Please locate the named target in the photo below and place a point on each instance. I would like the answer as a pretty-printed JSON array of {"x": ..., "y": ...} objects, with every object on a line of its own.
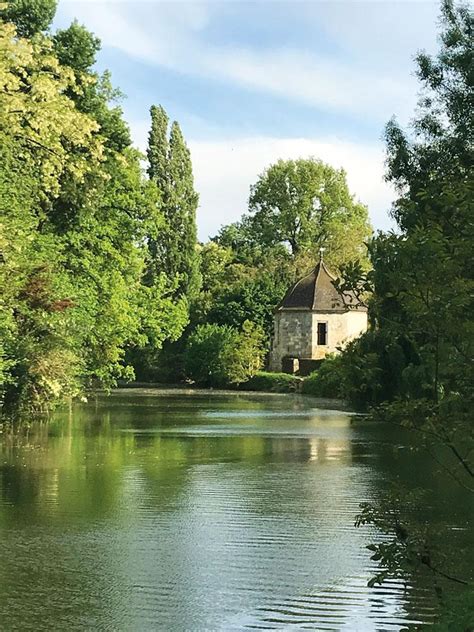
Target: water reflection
[{"x": 221, "y": 512}]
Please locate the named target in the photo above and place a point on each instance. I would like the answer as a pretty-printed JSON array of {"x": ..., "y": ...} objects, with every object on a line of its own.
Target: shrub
[
  {"x": 328, "y": 380},
  {"x": 376, "y": 367},
  {"x": 220, "y": 355},
  {"x": 273, "y": 383},
  {"x": 370, "y": 370}
]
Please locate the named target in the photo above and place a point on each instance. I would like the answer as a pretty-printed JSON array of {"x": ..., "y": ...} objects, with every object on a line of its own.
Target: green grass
[{"x": 273, "y": 383}]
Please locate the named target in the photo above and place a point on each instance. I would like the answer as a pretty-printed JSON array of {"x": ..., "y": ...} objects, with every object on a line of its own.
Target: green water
[{"x": 192, "y": 511}]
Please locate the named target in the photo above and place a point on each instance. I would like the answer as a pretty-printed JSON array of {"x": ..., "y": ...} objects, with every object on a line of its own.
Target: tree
[
  {"x": 38, "y": 142},
  {"x": 440, "y": 150},
  {"x": 182, "y": 257},
  {"x": 296, "y": 207},
  {"x": 158, "y": 148},
  {"x": 175, "y": 252},
  {"x": 76, "y": 47},
  {"x": 306, "y": 204},
  {"x": 233, "y": 291},
  {"x": 422, "y": 286},
  {"x": 29, "y": 16},
  {"x": 219, "y": 355},
  {"x": 77, "y": 214},
  {"x": 423, "y": 278}
]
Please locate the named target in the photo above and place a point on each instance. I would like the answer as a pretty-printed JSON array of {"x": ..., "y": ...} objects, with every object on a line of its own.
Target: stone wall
[
  {"x": 357, "y": 324},
  {"x": 296, "y": 332},
  {"x": 292, "y": 337},
  {"x": 341, "y": 329}
]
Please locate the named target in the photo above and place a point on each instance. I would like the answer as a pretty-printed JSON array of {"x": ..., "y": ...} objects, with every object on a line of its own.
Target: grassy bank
[{"x": 273, "y": 383}]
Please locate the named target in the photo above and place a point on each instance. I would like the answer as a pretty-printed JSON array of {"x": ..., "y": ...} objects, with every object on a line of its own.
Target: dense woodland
[{"x": 103, "y": 278}]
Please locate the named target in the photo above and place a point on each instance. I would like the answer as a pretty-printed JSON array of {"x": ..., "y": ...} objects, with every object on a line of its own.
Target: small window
[{"x": 322, "y": 333}]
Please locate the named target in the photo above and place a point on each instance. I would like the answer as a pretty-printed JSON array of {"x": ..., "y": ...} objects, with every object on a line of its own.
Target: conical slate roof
[{"x": 316, "y": 292}]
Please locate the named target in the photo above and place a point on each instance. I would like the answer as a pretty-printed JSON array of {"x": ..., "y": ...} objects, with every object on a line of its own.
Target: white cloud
[
  {"x": 173, "y": 35},
  {"x": 364, "y": 73},
  {"x": 316, "y": 80},
  {"x": 224, "y": 170}
]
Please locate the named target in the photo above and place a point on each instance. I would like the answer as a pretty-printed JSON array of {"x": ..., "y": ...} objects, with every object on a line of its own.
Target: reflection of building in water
[
  {"x": 324, "y": 449},
  {"x": 313, "y": 320},
  {"x": 322, "y": 439}
]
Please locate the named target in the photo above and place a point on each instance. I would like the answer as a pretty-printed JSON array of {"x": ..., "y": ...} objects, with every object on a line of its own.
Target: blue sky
[{"x": 251, "y": 82}]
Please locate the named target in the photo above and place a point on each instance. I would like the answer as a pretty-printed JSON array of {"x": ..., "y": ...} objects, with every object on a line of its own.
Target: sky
[{"x": 253, "y": 82}]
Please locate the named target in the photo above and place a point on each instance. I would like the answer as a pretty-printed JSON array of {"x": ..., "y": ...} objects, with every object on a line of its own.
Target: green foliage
[
  {"x": 307, "y": 205},
  {"x": 233, "y": 292},
  {"x": 174, "y": 251},
  {"x": 416, "y": 364},
  {"x": 408, "y": 547},
  {"x": 158, "y": 147},
  {"x": 247, "y": 268},
  {"x": 272, "y": 383},
  {"x": 219, "y": 355},
  {"x": 76, "y": 215},
  {"x": 29, "y": 16},
  {"x": 180, "y": 210},
  {"x": 380, "y": 366},
  {"x": 328, "y": 380},
  {"x": 76, "y": 47},
  {"x": 39, "y": 139},
  {"x": 440, "y": 151},
  {"x": 422, "y": 280}
]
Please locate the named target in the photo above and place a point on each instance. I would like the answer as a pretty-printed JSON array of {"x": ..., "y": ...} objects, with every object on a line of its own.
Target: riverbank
[{"x": 191, "y": 389}]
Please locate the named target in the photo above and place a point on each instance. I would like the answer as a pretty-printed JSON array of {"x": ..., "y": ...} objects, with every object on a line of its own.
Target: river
[{"x": 186, "y": 510}]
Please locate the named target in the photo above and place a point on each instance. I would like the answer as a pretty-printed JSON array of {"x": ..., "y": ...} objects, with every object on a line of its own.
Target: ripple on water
[{"x": 208, "y": 514}]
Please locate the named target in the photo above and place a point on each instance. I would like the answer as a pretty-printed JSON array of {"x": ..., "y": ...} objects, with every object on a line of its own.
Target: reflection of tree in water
[
  {"x": 77, "y": 464},
  {"x": 130, "y": 497}
]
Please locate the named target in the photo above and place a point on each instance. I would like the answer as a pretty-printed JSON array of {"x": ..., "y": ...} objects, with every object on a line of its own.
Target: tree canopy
[
  {"x": 416, "y": 365},
  {"x": 76, "y": 216},
  {"x": 306, "y": 204},
  {"x": 175, "y": 250},
  {"x": 102, "y": 263},
  {"x": 29, "y": 16}
]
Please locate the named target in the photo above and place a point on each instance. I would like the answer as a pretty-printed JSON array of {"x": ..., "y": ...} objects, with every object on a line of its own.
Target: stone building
[{"x": 312, "y": 321}]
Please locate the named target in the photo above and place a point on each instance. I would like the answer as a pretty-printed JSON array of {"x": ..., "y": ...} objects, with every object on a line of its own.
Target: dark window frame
[{"x": 322, "y": 333}]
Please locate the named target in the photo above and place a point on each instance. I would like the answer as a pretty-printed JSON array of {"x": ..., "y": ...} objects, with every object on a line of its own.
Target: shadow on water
[{"x": 173, "y": 511}]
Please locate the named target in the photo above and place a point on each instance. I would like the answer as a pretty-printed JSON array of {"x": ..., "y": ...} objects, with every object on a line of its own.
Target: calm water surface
[{"x": 192, "y": 511}]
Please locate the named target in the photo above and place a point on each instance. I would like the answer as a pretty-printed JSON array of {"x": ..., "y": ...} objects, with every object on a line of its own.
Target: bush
[
  {"x": 328, "y": 380},
  {"x": 376, "y": 367},
  {"x": 219, "y": 355},
  {"x": 165, "y": 365},
  {"x": 273, "y": 383}
]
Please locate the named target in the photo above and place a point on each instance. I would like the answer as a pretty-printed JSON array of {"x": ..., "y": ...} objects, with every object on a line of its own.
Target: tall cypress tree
[
  {"x": 174, "y": 251},
  {"x": 158, "y": 148},
  {"x": 182, "y": 214}
]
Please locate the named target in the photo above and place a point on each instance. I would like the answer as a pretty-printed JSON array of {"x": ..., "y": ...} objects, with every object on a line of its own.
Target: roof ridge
[
  {"x": 317, "y": 270},
  {"x": 327, "y": 271}
]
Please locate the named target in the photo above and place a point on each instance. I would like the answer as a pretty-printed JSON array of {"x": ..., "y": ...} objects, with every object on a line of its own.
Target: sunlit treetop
[{"x": 29, "y": 16}]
